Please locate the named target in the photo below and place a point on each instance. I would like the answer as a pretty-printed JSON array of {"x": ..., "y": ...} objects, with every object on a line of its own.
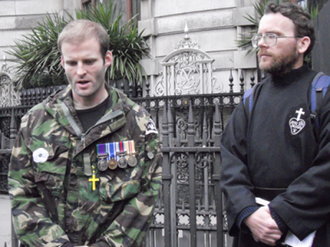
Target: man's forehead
[
  {"x": 275, "y": 22},
  {"x": 79, "y": 40},
  {"x": 86, "y": 46}
]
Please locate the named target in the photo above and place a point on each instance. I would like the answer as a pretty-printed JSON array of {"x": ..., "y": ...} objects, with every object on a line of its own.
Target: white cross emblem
[
  {"x": 296, "y": 123},
  {"x": 300, "y": 112}
]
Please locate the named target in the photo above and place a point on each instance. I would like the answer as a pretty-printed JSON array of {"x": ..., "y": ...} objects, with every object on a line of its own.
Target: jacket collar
[
  {"x": 293, "y": 75},
  {"x": 60, "y": 107}
]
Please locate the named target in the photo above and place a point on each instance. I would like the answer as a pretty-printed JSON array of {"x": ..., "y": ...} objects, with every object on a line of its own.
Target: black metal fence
[
  {"x": 191, "y": 193},
  {"x": 189, "y": 212}
]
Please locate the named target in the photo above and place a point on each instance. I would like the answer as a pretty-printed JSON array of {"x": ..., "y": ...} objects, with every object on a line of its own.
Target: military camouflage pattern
[{"x": 52, "y": 199}]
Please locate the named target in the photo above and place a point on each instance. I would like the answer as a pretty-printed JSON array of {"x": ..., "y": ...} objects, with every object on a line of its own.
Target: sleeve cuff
[
  {"x": 243, "y": 215},
  {"x": 280, "y": 223}
]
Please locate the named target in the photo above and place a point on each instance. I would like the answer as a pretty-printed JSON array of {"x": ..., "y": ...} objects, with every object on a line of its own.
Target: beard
[{"x": 281, "y": 64}]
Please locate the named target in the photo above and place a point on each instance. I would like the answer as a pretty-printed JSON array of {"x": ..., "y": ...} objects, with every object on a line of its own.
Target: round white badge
[{"x": 40, "y": 155}]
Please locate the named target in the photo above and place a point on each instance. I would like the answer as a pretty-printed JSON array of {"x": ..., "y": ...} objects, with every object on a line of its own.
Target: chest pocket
[
  {"x": 50, "y": 164},
  {"x": 118, "y": 188}
]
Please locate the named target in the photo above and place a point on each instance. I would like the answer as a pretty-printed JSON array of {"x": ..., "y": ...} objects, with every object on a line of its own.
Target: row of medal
[{"x": 116, "y": 154}]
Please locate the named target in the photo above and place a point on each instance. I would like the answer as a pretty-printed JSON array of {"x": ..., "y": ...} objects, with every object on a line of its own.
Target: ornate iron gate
[
  {"x": 190, "y": 211},
  {"x": 192, "y": 197}
]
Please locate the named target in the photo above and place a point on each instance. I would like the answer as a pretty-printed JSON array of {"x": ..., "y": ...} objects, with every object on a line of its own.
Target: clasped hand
[{"x": 263, "y": 227}]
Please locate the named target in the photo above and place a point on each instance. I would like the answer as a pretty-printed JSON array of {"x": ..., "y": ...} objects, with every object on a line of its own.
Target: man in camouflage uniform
[{"x": 66, "y": 190}]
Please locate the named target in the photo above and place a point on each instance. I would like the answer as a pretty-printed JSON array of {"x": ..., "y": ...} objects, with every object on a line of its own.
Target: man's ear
[
  {"x": 62, "y": 62},
  {"x": 303, "y": 44},
  {"x": 108, "y": 59}
]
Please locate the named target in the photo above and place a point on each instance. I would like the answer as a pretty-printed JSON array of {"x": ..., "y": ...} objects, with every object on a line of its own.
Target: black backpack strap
[{"x": 319, "y": 88}]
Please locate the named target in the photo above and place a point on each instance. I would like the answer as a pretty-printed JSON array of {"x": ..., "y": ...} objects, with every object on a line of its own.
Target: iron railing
[{"x": 189, "y": 212}]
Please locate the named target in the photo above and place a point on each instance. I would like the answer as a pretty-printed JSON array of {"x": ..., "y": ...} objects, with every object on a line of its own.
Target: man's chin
[{"x": 265, "y": 66}]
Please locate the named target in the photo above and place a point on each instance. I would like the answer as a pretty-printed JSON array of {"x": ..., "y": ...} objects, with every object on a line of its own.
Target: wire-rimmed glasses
[{"x": 269, "y": 38}]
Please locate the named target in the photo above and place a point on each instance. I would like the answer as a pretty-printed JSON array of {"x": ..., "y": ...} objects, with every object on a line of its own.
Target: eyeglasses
[{"x": 269, "y": 38}]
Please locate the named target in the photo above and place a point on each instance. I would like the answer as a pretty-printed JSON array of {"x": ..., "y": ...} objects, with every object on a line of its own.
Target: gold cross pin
[{"x": 94, "y": 179}]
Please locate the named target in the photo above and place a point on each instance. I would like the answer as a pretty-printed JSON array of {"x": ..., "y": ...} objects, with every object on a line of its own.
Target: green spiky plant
[
  {"x": 245, "y": 38},
  {"x": 39, "y": 61}
]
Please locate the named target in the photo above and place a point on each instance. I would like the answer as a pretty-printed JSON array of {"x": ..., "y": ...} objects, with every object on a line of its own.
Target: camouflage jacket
[{"x": 53, "y": 201}]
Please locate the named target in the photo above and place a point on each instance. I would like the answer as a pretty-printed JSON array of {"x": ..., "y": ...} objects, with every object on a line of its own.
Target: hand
[{"x": 263, "y": 227}]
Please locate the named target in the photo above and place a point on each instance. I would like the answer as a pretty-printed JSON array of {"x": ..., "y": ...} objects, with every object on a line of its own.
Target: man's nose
[
  {"x": 262, "y": 41},
  {"x": 81, "y": 69}
]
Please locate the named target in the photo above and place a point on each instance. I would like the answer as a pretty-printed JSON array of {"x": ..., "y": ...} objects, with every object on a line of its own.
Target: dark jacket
[{"x": 279, "y": 148}]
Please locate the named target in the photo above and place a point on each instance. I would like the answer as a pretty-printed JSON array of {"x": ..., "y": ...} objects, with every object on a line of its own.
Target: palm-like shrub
[
  {"x": 39, "y": 60},
  {"x": 37, "y": 57}
]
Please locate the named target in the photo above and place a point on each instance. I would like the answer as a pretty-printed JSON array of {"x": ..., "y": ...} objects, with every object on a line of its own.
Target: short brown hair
[
  {"x": 300, "y": 18},
  {"x": 80, "y": 30}
]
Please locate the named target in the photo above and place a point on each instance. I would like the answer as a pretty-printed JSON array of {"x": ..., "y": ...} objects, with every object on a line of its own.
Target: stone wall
[
  {"x": 18, "y": 16},
  {"x": 214, "y": 25}
]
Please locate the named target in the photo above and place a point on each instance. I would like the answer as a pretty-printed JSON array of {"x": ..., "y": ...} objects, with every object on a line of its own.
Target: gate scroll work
[
  {"x": 8, "y": 96},
  {"x": 190, "y": 211},
  {"x": 187, "y": 70}
]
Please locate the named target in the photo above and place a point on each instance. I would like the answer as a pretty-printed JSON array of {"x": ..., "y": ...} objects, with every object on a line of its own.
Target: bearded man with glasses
[{"x": 275, "y": 160}]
